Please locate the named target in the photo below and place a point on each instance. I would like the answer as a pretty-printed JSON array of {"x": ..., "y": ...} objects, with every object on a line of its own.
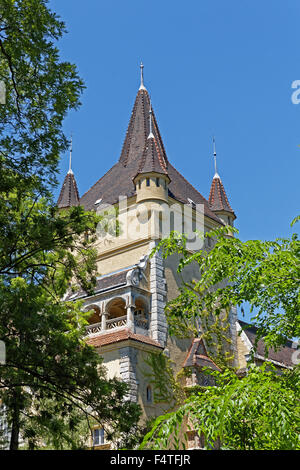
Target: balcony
[{"x": 116, "y": 317}]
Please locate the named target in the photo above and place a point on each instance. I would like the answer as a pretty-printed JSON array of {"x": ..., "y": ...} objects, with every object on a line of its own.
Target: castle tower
[{"x": 128, "y": 322}]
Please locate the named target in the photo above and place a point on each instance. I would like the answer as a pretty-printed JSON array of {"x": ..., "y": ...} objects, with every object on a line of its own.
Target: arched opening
[
  {"x": 141, "y": 313},
  {"x": 116, "y": 308},
  {"x": 94, "y": 314}
]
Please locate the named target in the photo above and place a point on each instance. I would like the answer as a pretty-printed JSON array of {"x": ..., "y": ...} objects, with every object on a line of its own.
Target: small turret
[
  {"x": 218, "y": 201},
  {"x": 69, "y": 195},
  {"x": 152, "y": 179}
]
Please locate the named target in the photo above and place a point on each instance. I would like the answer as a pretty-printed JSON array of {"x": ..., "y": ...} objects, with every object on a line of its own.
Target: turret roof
[
  {"x": 218, "y": 200},
  {"x": 69, "y": 195},
  {"x": 140, "y": 153}
]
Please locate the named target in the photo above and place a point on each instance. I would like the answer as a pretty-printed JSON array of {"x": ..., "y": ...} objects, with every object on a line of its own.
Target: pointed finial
[
  {"x": 150, "y": 136},
  {"x": 70, "y": 158},
  {"x": 215, "y": 158},
  {"x": 142, "y": 87}
]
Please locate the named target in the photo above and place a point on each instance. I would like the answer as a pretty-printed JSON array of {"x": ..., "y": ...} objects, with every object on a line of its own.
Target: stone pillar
[
  {"x": 104, "y": 315},
  {"x": 130, "y": 307},
  {"x": 158, "y": 326},
  {"x": 128, "y": 362}
]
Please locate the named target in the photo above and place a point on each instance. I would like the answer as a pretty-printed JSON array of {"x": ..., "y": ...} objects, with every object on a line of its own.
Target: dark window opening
[{"x": 149, "y": 394}]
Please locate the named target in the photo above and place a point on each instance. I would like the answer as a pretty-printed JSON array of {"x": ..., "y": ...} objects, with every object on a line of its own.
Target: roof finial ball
[{"x": 142, "y": 87}]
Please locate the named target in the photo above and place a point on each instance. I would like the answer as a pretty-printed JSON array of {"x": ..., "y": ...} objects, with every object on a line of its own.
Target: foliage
[
  {"x": 261, "y": 409},
  {"x": 53, "y": 382},
  {"x": 257, "y": 412},
  {"x": 265, "y": 274},
  {"x": 161, "y": 376},
  {"x": 47, "y": 360},
  {"x": 40, "y": 90}
]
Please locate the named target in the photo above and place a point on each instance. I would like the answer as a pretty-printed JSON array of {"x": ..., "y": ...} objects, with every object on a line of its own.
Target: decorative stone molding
[{"x": 135, "y": 275}]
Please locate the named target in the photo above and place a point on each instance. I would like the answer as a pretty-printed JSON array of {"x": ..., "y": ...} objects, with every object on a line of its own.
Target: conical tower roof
[
  {"x": 152, "y": 159},
  {"x": 138, "y": 154},
  {"x": 69, "y": 195},
  {"x": 218, "y": 200},
  {"x": 139, "y": 130}
]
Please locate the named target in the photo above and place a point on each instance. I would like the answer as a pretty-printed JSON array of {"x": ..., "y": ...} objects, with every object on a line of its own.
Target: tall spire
[
  {"x": 142, "y": 87},
  {"x": 215, "y": 159},
  {"x": 70, "y": 158},
  {"x": 139, "y": 129}
]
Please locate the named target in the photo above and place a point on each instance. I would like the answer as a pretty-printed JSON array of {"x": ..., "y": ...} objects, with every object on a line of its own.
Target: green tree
[
  {"x": 40, "y": 90},
  {"x": 52, "y": 381},
  {"x": 264, "y": 274},
  {"x": 260, "y": 410}
]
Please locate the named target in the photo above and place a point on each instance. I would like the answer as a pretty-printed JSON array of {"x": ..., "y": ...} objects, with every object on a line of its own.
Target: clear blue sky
[{"x": 212, "y": 67}]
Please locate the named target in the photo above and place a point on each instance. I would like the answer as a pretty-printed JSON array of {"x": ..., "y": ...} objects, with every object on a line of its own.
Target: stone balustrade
[{"x": 140, "y": 322}]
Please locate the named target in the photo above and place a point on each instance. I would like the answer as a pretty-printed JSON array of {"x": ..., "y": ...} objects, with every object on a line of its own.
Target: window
[
  {"x": 149, "y": 394},
  {"x": 157, "y": 182},
  {"x": 147, "y": 181},
  {"x": 98, "y": 436},
  {"x": 140, "y": 184}
]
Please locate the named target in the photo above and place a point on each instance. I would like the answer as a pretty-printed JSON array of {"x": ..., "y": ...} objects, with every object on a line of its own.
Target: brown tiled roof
[
  {"x": 104, "y": 283},
  {"x": 139, "y": 129},
  {"x": 152, "y": 159},
  {"x": 118, "y": 181},
  {"x": 282, "y": 356},
  {"x": 121, "y": 335},
  {"x": 197, "y": 356},
  {"x": 69, "y": 195},
  {"x": 218, "y": 200}
]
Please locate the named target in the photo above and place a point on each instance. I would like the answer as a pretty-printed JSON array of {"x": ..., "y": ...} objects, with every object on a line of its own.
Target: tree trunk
[{"x": 15, "y": 427}]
